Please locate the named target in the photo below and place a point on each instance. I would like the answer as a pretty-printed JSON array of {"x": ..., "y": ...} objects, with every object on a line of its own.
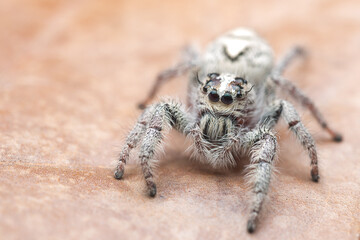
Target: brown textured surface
[{"x": 71, "y": 73}]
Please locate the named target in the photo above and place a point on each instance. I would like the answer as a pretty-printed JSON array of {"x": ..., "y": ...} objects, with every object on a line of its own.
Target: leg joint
[
  {"x": 157, "y": 128},
  {"x": 269, "y": 136},
  {"x": 293, "y": 123}
]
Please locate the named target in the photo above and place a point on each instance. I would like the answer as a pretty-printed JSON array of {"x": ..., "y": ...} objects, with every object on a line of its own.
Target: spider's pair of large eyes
[{"x": 226, "y": 98}]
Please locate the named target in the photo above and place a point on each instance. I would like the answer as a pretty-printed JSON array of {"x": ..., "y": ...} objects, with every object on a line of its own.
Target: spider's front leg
[
  {"x": 149, "y": 130},
  {"x": 132, "y": 141},
  {"x": 263, "y": 146},
  {"x": 188, "y": 60},
  {"x": 264, "y": 149}
]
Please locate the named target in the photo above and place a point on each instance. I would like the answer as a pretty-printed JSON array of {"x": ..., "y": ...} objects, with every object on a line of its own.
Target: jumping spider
[{"x": 231, "y": 110}]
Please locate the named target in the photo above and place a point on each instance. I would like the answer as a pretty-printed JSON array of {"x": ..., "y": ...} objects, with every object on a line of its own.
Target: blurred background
[{"x": 71, "y": 75}]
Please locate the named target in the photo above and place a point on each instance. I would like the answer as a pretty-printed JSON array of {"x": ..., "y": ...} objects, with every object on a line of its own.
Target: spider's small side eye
[
  {"x": 238, "y": 95},
  {"x": 241, "y": 80},
  {"x": 205, "y": 89},
  {"x": 213, "y": 75}
]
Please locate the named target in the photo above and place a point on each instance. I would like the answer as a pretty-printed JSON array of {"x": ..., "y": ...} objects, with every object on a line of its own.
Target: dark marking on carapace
[{"x": 233, "y": 59}]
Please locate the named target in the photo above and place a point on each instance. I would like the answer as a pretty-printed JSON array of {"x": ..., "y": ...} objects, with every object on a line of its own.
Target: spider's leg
[
  {"x": 284, "y": 108},
  {"x": 292, "y": 118},
  {"x": 196, "y": 134},
  {"x": 271, "y": 117},
  {"x": 135, "y": 135},
  {"x": 187, "y": 62},
  {"x": 162, "y": 115},
  {"x": 297, "y": 94},
  {"x": 290, "y": 56},
  {"x": 263, "y": 151}
]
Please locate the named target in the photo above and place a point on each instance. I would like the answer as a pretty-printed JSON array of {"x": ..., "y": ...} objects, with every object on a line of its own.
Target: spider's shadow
[{"x": 182, "y": 162}]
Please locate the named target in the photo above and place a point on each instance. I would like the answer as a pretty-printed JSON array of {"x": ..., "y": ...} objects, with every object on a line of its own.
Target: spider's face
[{"x": 225, "y": 89}]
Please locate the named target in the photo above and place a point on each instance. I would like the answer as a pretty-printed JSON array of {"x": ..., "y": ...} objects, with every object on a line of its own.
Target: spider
[{"x": 231, "y": 111}]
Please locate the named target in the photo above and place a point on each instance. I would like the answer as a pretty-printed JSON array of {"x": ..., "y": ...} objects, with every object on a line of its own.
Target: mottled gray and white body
[{"x": 231, "y": 111}]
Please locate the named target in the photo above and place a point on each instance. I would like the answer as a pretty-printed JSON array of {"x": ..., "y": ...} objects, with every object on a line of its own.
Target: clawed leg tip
[
  {"x": 315, "y": 173},
  {"x": 251, "y": 226},
  {"x": 300, "y": 50},
  {"x": 338, "y": 138},
  {"x": 119, "y": 174},
  {"x": 315, "y": 178},
  {"x": 141, "y": 106},
  {"x": 152, "y": 192},
  {"x": 152, "y": 189}
]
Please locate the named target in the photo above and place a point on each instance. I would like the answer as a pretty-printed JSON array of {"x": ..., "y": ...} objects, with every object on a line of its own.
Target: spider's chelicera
[{"x": 231, "y": 111}]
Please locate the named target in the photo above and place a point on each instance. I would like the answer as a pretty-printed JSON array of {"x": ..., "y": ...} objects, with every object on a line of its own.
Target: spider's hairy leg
[
  {"x": 164, "y": 114},
  {"x": 132, "y": 140},
  {"x": 289, "y": 57},
  {"x": 196, "y": 134},
  {"x": 297, "y": 94},
  {"x": 271, "y": 117},
  {"x": 302, "y": 134},
  {"x": 263, "y": 151},
  {"x": 187, "y": 62},
  {"x": 284, "y": 108}
]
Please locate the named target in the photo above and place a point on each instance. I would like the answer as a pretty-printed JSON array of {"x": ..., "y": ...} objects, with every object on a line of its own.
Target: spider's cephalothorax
[
  {"x": 232, "y": 109},
  {"x": 224, "y": 96}
]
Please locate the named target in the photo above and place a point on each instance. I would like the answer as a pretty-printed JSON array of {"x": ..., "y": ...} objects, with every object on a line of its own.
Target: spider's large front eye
[
  {"x": 227, "y": 98},
  {"x": 213, "y": 96}
]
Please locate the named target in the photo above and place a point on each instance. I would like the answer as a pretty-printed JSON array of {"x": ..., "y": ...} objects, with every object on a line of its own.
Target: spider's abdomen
[
  {"x": 215, "y": 128},
  {"x": 240, "y": 51}
]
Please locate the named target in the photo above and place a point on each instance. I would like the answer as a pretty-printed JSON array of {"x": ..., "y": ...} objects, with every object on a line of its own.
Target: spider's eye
[
  {"x": 205, "y": 89},
  {"x": 213, "y": 75},
  {"x": 238, "y": 95},
  {"x": 213, "y": 96},
  {"x": 241, "y": 80},
  {"x": 227, "y": 98}
]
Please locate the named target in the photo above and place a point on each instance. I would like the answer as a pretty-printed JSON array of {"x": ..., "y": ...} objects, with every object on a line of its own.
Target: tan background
[{"x": 71, "y": 73}]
